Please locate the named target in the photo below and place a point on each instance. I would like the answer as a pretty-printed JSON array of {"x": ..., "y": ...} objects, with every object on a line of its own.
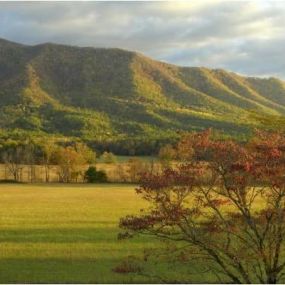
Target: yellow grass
[{"x": 63, "y": 234}]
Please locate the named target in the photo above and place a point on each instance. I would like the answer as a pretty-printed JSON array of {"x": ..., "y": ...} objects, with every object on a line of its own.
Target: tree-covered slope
[{"x": 100, "y": 94}]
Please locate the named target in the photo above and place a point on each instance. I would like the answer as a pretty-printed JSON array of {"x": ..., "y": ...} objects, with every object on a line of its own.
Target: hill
[{"x": 107, "y": 95}]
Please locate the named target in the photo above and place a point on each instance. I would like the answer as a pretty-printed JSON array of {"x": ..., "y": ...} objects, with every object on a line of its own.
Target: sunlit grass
[
  {"x": 68, "y": 233},
  {"x": 63, "y": 234}
]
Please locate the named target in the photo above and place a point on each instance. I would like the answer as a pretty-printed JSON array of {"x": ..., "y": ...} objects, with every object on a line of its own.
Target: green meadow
[{"x": 68, "y": 234}]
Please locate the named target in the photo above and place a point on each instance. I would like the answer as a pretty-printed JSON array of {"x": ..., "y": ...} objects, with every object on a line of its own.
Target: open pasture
[{"x": 68, "y": 234}]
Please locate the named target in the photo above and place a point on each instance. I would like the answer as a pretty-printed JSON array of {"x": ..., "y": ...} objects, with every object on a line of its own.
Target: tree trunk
[
  {"x": 271, "y": 278},
  {"x": 47, "y": 173}
]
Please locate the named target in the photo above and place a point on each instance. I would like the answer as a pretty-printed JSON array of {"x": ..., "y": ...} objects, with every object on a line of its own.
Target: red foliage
[{"x": 188, "y": 202}]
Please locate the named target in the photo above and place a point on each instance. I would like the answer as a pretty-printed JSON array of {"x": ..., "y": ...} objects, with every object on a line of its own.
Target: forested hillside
[{"x": 108, "y": 96}]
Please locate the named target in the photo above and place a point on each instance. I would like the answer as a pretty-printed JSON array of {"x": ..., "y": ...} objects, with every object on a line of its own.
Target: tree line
[
  {"x": 65, "y": 162},
  {"x": 70, "y": 160}
]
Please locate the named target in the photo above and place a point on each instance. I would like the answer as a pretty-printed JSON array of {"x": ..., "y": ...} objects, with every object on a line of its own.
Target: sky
[{"x": 246, "y": 37}]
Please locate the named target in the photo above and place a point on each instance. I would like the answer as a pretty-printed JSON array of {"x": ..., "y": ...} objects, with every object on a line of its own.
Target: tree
[
  {"x": 92, "y": 175},
  {"x": 48, "y": 148},
  {"x": 88, "y": 154},
  {"x": 167, "y": 153},
  {"x": 108, "y": 157},
  {"x": 14, "y": 156},
  {"x": 225, "y": 205},
  {"x": 70, "y": 163},
  {"x": 136, "y": 167},
  {"x": 121, "y": 173},
  {"x": 30, "y": 159}
]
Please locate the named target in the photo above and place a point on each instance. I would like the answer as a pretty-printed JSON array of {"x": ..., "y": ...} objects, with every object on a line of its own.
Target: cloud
[{"x": 243, "y": 36}]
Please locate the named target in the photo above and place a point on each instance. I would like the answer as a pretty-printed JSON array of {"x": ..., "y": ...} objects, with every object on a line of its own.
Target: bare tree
[
  {"x": 30, "y": 160},
  {"x": 48, "y": 157},
  {"x": 13, "y": 157}
]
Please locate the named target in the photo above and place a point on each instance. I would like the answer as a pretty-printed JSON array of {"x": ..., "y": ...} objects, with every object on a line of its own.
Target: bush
[
  {"x": 92, "y": 175},
  {"x": 130, "y": 265},
  {"x": 108, "y": 157}
]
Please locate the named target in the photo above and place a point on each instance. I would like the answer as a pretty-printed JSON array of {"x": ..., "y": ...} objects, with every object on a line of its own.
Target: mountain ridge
[{"x": 90, "y": 92}]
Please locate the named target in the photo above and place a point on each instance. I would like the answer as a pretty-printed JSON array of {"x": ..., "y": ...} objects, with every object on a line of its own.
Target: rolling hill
[{"x": 98, "y": 94}]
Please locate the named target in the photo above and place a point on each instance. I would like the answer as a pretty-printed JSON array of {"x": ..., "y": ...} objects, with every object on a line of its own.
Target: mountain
[{"x": 102, "y": 94}]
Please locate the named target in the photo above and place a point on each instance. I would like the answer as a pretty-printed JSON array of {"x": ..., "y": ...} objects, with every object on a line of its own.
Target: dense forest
[{"x": 122, "y": 101}]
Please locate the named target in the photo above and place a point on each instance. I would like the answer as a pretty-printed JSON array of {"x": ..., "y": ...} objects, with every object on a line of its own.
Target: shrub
[
  {"x": 129, "y": 265},
  {"x": 108, "y": 157},
  {"x": 92, "y": 175}
]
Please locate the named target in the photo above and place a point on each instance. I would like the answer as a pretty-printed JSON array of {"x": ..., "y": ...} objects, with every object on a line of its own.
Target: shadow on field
[
  {"x": 91, "y": 270},
  {"x": 36, "y": 270}
]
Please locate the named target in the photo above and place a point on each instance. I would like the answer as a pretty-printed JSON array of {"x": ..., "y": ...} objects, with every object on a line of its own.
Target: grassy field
[{"x": 68, "y": 234}]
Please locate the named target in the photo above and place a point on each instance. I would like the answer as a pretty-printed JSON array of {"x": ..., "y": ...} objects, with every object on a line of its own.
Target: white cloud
[{"x": 243, "y": 36}]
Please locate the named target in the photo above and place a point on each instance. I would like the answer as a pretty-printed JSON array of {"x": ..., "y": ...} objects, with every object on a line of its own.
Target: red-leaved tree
[{"x": 225, "y": 202}]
